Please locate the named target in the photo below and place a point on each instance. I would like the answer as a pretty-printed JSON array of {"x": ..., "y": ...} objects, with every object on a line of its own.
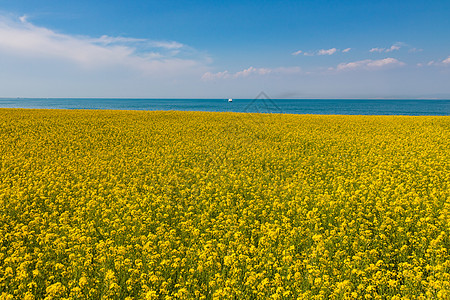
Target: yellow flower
[{"x": 172, "y": 205}]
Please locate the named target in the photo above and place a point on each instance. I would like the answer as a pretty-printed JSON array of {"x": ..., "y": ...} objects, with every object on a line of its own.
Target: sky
[{"x": 225, "y": 49}]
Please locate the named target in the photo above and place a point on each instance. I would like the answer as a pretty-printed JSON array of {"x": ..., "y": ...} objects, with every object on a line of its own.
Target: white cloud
[
  {"x": 109, "y": 40},
  {"x": 330, "y": 51},
  {"x": 218, "y": 75},
  {"x": 327, "y": 52},
  {"x": 252, "y": 70},
  {"x": 106, "y": 40},
  {"x": 369, "y": 64},
  {"x": 249, "y": 72},
  {"x": 384, "y": 62},
  {"x": 23, "y": 18},
  {"x": 394, "y": 47},
  {"x": 444, "y": 62},
  {"x": 167, "y": 45},
  {"x": 23, "y": 39},
  {"x": 377, "y": 50}
]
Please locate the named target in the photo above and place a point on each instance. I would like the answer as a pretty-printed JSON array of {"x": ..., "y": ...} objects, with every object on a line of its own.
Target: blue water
[{"x": 341, "y": 106}]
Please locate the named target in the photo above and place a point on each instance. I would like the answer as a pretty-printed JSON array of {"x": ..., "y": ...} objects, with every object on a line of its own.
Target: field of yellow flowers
[{"x": 196, "y": 205}]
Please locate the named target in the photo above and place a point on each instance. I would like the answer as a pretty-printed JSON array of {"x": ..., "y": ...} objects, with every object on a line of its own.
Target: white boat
[{"x": 230, "y": 100}]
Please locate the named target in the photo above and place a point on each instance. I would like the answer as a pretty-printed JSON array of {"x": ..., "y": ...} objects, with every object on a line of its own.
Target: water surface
[{"x": 291, "y": 106}]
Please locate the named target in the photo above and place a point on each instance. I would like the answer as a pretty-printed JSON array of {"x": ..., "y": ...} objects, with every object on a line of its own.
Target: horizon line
[{"x": 208, "y": 98}]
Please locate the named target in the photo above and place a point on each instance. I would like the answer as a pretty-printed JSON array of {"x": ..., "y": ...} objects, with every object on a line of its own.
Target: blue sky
[{"x": 222, "y": 49}]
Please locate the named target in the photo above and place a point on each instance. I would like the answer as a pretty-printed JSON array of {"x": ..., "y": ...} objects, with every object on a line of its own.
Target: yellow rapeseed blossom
[{"x": 194, "y": 205}]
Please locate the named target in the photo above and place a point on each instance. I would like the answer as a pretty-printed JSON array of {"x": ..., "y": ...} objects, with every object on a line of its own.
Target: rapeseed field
[{"x": 196, "y": 205}]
